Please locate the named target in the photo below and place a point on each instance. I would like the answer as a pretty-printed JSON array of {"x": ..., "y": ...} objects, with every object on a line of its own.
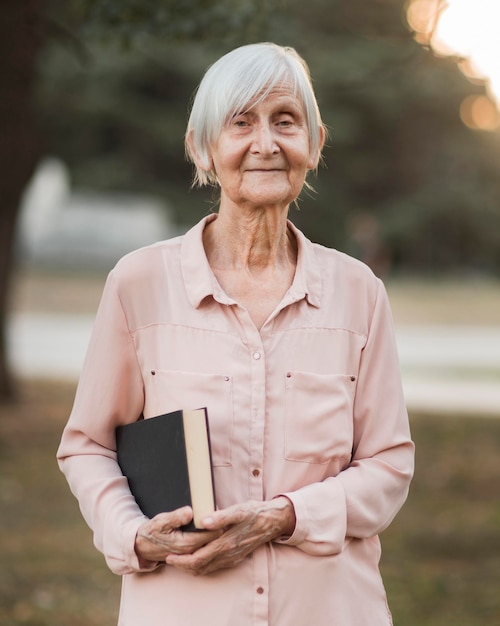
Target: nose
[{"x": 263, "y": 140}]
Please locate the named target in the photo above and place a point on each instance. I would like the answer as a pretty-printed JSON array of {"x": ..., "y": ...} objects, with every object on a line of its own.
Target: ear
[
  {"x": 203, "y": 163},
  {"x": 312, "y": 164}
]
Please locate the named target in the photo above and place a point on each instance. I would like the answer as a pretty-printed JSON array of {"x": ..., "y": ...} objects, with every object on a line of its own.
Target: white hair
[{"x": 238, "y": 80}]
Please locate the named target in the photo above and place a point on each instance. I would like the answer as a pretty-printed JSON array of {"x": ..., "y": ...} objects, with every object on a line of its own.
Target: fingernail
[{"x": 208, "y": 521}]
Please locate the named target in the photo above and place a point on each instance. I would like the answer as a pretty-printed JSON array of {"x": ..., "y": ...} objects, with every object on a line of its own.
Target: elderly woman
[{"x": 289, "y": 344}]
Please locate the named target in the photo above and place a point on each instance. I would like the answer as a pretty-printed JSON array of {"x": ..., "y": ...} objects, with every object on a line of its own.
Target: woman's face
[{"x": 262, "y": 155}]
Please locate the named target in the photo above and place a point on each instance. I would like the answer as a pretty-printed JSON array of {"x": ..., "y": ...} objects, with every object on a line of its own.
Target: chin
[
  {"x": 280, "y": 198},
  {"x": 269, "y": 203}
]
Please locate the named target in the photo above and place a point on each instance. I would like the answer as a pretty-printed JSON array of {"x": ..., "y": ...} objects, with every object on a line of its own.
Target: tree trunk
[{"x": 20, "y": 41}]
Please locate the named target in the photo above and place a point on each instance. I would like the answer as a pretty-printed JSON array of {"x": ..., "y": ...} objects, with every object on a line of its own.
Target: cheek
[
  {"x": 226, "y": 164},
  {"x": 299, "y": 155},
  {"x": 300, "y": 167}
]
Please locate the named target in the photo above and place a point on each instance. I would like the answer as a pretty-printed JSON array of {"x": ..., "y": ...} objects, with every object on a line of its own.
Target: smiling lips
[{"x": 264, "y": 169}]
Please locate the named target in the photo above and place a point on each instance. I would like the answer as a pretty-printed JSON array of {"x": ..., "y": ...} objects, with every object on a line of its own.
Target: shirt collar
[
  {"x": 307, "y": 280},
  {"x": 200, "y": 281}
]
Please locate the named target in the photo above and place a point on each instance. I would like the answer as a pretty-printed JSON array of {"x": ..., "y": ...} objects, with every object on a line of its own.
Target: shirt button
[
  {"x": 256, "y": 355},
  {"x": 256, "y": 472},
  {"x": 260, "y": 590}
]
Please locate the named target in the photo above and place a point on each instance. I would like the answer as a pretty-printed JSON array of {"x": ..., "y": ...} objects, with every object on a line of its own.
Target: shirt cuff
[{"x": 300, "y": 530}]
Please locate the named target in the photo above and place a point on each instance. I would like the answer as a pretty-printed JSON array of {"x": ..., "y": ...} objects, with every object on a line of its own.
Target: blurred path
[
  {"x": 453, "y": 369},
  {"x": 49, "y": 345}
]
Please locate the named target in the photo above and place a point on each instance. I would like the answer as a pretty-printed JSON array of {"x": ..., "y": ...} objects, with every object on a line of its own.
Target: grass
[
  {"x": 441, "y": 555},
  {"x": 50, "y": 574}
]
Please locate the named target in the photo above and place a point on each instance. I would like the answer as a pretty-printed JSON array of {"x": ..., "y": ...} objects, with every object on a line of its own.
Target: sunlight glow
[
  {"x": 480, "y": 112},
  {"x": 469, "y": 30}
]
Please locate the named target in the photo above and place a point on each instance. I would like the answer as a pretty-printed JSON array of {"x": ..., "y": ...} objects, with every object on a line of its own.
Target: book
[{"x": 168, "y": 463}]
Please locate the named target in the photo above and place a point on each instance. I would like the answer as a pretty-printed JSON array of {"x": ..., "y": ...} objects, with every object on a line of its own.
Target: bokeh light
[
  {"x": 479, "y": 112},
  {"x": 469, "y": 30}
]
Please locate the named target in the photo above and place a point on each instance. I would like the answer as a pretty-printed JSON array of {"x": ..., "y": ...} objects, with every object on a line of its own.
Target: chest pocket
[
  {"x": 170, "y": 390},
  {"x": 318, "y": 416}
]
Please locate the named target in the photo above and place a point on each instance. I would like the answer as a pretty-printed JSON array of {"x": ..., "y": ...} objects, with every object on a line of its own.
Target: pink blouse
[{"x": 311, "y": 406}]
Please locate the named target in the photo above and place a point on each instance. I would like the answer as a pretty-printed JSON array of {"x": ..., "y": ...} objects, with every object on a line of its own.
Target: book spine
[{"x": 199, "y": 464}]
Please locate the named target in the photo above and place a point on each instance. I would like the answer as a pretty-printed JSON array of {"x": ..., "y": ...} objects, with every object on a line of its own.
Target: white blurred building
[{"x": 60, "y": 227}]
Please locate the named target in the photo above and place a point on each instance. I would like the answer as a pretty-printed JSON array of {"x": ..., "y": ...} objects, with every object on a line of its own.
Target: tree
[
  {"x": 21, "y": 38},
  {"x": 25, "y": 28}
]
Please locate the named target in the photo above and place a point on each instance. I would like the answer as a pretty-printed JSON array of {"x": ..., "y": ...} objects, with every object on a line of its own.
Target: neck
[{"x": 254, "y": 241}]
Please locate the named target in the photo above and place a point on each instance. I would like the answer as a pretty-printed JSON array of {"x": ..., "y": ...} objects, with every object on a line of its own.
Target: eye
[
  {"x": 240, "y": 121},
  {"x": 285, "y": 120}
]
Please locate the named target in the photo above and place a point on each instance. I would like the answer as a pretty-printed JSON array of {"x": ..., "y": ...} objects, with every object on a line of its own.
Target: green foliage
[
  {"x": 405, "y": 184},
  {"x": 132, "y": 20},
  {"x": 399, "y": 153}
]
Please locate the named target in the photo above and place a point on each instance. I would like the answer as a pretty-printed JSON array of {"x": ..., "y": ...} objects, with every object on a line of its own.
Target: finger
[
  {"x": 226, "y": 517},
  {"x": 173, "y": 519},
  {"x": 185, "y": 562},
  {"x": 226, "y": 551},
  {"x": 192, "y": 541},
  {"x": 195, "y": 564},
  {"x": 178, "y": 542},
  {"x": 198, "y": 565}
]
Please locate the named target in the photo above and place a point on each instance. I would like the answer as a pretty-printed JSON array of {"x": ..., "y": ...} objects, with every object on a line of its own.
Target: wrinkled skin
[{"x": 230, "y": 536}]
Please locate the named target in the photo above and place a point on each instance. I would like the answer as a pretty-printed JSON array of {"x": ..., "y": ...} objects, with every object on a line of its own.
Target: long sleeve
[
  {"x": 363, "y": 499},
  {"x": 110, "y": 393},
  {"x": 309, "y": 405}
]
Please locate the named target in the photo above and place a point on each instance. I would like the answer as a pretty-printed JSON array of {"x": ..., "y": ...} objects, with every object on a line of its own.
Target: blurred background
[{"x": 93, "y": 107}]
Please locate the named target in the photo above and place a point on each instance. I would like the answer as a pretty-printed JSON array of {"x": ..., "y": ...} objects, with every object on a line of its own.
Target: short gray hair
[{"x": 246, "y": 75}]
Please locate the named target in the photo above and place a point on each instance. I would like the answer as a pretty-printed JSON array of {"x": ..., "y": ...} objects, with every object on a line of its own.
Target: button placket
[
  {"x": 256, "y": 459},
  {"x": 261, "y": 589}
]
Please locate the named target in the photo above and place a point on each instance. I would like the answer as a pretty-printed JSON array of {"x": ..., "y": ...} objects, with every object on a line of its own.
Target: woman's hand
[
  {"x": 159, "y": 537},
  {"x": 244, "y": 528}
]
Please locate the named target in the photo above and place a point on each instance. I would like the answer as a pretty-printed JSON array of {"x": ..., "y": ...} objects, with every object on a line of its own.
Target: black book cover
[{"x": 167, "y": 461}]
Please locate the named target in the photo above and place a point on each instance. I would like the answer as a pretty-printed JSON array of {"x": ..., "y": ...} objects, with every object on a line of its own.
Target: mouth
[{"x": 265, "y": 169}]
